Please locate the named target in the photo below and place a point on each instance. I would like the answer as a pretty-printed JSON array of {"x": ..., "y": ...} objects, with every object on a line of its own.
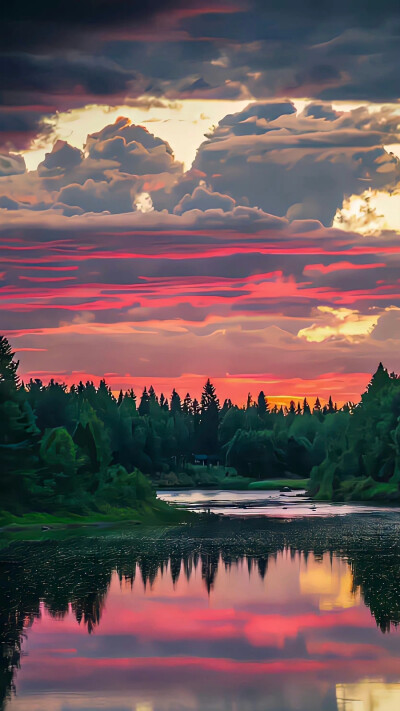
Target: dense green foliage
[
  {"x": 74, "y": 448},
  {"x": 56, "y": 450},
  {"x": 362, "y": 446}
]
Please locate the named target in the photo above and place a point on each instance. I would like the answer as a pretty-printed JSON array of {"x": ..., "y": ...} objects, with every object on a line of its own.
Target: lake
[{"x": 262, "y": 609}]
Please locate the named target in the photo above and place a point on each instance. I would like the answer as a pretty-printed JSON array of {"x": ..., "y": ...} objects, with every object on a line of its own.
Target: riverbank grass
[{"x": 157, "y": 512}]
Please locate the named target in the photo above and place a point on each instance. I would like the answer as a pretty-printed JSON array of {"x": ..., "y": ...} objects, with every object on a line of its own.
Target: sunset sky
[{"x": 193, "y": 189}]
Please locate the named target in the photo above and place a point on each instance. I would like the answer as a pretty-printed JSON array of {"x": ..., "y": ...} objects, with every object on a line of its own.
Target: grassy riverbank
[
  {"x": 149, "y": 513},
  {"x": 218, "y": 477}
]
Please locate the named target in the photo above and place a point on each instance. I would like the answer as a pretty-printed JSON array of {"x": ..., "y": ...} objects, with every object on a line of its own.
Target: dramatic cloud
[
  {"x": 56, "y": 58},
  {"x": 202, "y": 199},
  {"x": 300, "y": 165},
  {"x": 115, "y": 166},
  {"x": 272, "y": 262},
  {"x": 11, "y": 164}
]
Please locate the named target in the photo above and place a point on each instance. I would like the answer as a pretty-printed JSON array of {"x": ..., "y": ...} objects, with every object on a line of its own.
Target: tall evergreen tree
[
  {"x": 331, "y": 408},
  {"x": 379, "y": 381},
  {"x": 132, "y": 395},
  {"x": 144, "y": 407},
  {"x": 8, "y": 371},
  {"x": 292, "y": 408},
  {"x": 262, "y": 405},
  {"x": 163, "y": 402},
  {"x": 152, "y": 396},
  {"x": 175, "y": 403},
  {"x": 187, "y": 404},
  {"x": 317, "y": 406},
  {"x": 226, "y": 406},
  {"x": 209, "y": 419}
]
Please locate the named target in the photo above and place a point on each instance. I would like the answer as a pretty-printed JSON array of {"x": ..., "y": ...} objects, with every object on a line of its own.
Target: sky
[{"x": 193, "y": 189}]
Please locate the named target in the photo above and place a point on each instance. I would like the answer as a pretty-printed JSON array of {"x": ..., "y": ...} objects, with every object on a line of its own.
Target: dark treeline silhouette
[
  {"x": 78, "y": 571},
  {"x": 72, "y": 447}
]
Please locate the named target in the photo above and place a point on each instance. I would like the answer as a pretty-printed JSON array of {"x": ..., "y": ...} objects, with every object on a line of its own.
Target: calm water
[
  {"x": 241, "y": 614},
  {"x": 277, "y": 504}
]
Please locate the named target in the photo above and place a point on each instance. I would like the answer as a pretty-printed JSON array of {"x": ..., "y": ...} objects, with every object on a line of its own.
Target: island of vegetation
[{"x": 81, "y": 453}]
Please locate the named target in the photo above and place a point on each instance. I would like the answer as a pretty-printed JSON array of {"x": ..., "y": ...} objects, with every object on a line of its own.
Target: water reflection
[
  {"x": 274, "y": 503},
  {"x": 238, "y": 615},
  {"x": 370, "y": 695}
]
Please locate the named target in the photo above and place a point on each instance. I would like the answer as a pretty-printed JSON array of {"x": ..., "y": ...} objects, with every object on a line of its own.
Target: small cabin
[{"x": 206, "y": 460}]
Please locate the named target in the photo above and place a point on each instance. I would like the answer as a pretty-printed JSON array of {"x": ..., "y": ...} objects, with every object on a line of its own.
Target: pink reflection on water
[{"x": 302, "y": 622}]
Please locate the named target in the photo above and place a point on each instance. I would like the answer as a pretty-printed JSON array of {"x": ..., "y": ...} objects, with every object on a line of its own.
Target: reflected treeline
[{"x": 76, "y": 573}]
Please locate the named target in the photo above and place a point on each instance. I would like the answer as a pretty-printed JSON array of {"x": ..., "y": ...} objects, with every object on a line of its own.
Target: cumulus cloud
[
  {"x": 117, "y": 195},
  {"x": 62, "y": 159},
  {"x": 116, "y": 164},
  {"x": 268, "y": 156},
  {"x": 203, "y": 199},
  {"x": 301, "y": 165},
  {"x": 11, "y": 164}
]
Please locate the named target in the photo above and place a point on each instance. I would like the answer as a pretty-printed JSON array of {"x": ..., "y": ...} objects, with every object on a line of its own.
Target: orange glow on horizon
[{"x": 342, "y": 387}]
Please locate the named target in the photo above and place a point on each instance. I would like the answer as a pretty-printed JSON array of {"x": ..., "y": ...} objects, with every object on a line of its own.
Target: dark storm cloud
[
  {"x": 45, "y": 23},
  {"x": 332, "y": 50},
  {"x": 52, "y": 57},
  {"x": 60, "y": 55}
]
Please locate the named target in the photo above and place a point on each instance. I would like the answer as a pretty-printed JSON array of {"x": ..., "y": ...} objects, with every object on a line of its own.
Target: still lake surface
[{"x": 271, "y": 607}]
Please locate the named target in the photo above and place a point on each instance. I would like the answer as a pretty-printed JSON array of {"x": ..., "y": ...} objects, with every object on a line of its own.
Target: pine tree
[
  {"x": 175, "y": 403},
  {"x": 120, "y": 398},
  {"x": 163, "y": 402},
  {"x": 292, "y": 408},
  {"x": 262, "y": 406},
  {"x": 209, "y": 396},
  {"x": 8, "y": 371},
  {"x": 317, "y": 406},
  {"x": 18, "y": 434},
  {"x": 152, "y": 396},
  {"x": 209, "y": 419},
  {"x": 226, "y": 406},
  {"x": 187, "y": 404},
  {"x": 331, "y": 408},
  {"x": 196, "y": 407},
  {"x": 131, "y": 394},
  {"x": 144, "y": 407},
  {"x": 380, "y": 380},
  {"x": 306, "y": 407}
]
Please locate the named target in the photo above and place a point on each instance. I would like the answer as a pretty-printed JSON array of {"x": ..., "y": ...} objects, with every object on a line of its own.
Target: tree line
[{"x": 68, "y": 447}]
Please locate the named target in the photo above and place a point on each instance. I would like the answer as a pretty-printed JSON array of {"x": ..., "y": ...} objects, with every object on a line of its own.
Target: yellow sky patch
[
  {"x": 183, "y": 124},
  {"x": 338, "y": 323}
]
